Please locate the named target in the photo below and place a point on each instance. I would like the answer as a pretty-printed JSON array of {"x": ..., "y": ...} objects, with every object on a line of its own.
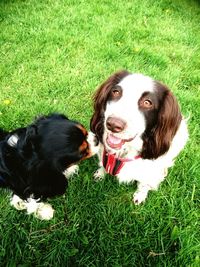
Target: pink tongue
[{"x": 113, "y": 139}]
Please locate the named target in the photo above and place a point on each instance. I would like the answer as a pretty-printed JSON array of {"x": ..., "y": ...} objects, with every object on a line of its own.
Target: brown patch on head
[
  {"x": 84, "y": 148},
  {"x": 83, "y": 130}
]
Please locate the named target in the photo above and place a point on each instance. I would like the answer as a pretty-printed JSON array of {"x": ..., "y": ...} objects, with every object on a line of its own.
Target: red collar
[{"x": 113, "y": 164}]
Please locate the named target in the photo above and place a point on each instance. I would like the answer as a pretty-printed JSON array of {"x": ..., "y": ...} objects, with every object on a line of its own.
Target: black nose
[{"x": 115, "y": 125}]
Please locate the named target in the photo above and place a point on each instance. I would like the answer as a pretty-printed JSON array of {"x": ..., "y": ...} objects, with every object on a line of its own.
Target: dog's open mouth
[{"x": 116, "y": 142}]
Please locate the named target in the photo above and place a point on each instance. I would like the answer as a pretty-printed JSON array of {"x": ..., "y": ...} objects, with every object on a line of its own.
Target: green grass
[{"x": 54, "y": 54}]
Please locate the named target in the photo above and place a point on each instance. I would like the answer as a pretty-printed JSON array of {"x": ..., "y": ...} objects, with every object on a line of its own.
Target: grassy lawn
[{"x": 54, "y": 54}]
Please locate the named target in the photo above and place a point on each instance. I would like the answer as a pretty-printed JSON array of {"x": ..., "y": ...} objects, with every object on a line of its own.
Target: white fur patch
[
  {"x": 42, "y": 211},
  {"x": 99, "y": 174},
  {"x": 139, "y": 197},
  {"x": 92, "y": 140},
  {"x": 13, "y": 139},
  {"x": 141, "y": 194},
  {"x": 71, "y": 171},
  {"x": 31, "y": 205},
  {"x": 18, "y": 203}
]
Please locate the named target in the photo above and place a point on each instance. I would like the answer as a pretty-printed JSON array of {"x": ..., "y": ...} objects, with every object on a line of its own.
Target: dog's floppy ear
[
  {"x": 158, "y": 140},
  {"x": 100, "y": 99}
]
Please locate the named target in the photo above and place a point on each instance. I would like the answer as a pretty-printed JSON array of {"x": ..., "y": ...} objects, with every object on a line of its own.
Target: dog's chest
[{"x": 113, "y": 164}]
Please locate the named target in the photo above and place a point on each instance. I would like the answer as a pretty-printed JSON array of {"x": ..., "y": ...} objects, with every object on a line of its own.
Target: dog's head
[
  {"x": 53, "y": 139},
  {"x": 135, "y": 110}
]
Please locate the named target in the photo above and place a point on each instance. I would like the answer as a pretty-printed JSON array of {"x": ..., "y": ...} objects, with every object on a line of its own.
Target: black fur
[{"x": 35, "y": 164}]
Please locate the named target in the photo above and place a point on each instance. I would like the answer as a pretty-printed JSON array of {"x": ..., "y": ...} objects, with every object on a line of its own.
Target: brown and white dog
[{"x": 139, "y": 129}]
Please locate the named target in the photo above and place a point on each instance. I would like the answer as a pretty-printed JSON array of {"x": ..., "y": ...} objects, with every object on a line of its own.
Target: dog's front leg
[
  {"x": 141, "y": 194},
  {"x": 42, "y": 211},
  {"x": 99, "y": 174}
]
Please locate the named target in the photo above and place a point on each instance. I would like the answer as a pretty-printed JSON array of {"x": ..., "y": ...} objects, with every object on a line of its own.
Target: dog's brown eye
[
  {"x": 116, "y": 92},
  {"x": 147, "y": 103}
]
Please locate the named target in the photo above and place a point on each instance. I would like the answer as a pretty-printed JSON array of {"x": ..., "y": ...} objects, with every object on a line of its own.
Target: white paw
[
  {"x": 44, "y": 211},
  {"x": 18, "y": 203},
  {"x": 71, "y": 171},
  {"x": 31, "y": 205},
  {"x": 99, "y": 174},
  {"x": 139, "y": 197}
]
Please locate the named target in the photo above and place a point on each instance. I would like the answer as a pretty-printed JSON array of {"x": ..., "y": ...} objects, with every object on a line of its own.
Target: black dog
[{"x": 35, "y": 160}]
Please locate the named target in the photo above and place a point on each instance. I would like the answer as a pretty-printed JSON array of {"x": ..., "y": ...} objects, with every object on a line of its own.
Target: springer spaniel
[
  {"x": 35, "y": 160},
  {"x": 139, "y": 130}
]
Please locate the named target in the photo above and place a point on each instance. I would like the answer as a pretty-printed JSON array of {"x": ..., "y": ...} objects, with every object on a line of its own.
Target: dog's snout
[{"x": 115, "y": 125}]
